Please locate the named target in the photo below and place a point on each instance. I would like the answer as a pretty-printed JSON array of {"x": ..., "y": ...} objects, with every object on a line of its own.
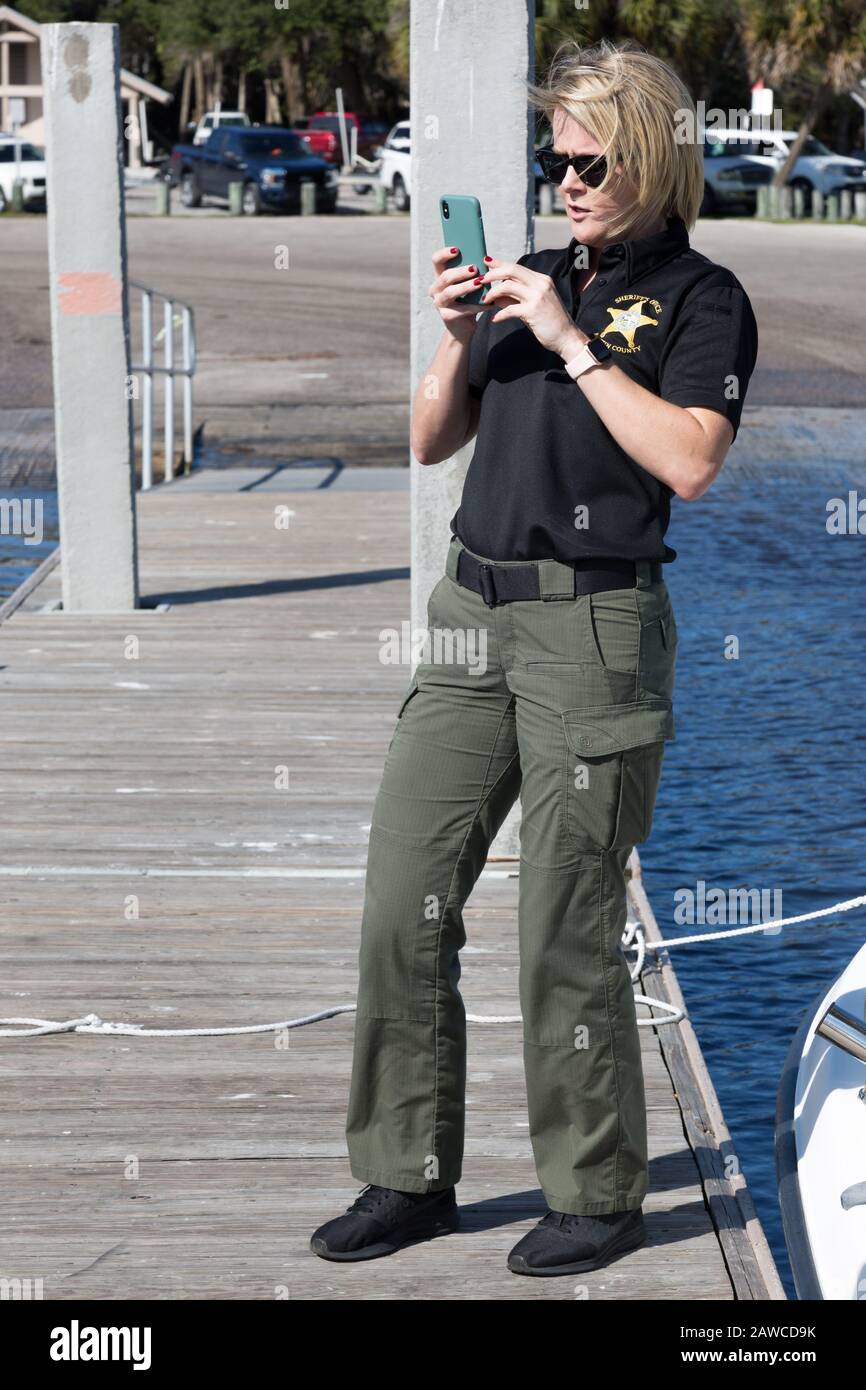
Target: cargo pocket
[
  {"x": 658, "y": 648},
  {"x": 613, "y": 766}
]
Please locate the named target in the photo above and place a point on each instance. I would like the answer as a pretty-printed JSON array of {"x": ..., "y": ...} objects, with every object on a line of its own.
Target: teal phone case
[{"x": 463, "y": 228}]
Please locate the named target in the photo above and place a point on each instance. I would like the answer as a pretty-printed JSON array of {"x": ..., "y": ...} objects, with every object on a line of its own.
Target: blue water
[
  {"x": 763, "y": 785},
  {"x": 19, "y": 555}
]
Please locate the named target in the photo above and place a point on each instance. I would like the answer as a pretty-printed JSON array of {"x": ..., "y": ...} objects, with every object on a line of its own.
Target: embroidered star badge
[{"x": 626, "y": 322}]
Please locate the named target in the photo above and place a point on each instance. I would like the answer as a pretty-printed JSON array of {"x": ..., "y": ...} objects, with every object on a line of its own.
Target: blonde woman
[{"x": 598, "y": 381}]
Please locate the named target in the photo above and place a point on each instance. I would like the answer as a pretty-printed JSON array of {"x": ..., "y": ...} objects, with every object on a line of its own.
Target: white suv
[
  {"x": 32, "y": 171},
  {"x": 816, "y": 167},
  {"x": 394, "y": 170}
]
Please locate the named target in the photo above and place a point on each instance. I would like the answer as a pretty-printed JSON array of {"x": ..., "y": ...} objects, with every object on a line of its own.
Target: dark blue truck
[{"x": 269, "y": 161}]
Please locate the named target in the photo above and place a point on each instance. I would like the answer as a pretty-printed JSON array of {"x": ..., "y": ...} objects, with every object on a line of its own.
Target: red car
[{"x": 322, "y": 134}]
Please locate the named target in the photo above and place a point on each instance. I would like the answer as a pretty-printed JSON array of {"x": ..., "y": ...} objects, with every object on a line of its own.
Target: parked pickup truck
[
  {"x": 322, "y": 134},
  {"x": 269, "y": 161}
]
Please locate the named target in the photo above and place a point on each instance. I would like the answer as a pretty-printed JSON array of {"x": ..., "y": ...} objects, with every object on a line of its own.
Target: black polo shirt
[{"x": 547, "y": 480}]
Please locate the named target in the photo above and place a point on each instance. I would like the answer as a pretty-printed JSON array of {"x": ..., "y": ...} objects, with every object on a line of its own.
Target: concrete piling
[
  {"x": 461, "y": 144},
  {"x": 89, "y": 317}
]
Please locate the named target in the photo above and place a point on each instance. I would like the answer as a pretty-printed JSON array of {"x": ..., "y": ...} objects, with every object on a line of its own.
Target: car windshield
[
  {"x": 231, "y": 120},
  {"x": 263, "y": 145},
  {"x": 325, "y": 123},
  {"x": 716, "y": 149},
  {"x": 28, "y": 152},
  {"x": 812, "y": 146}
]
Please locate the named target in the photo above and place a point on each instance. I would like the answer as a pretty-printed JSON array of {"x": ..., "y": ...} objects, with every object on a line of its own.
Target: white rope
[
  {"x": 727, "y": 932},
  {"x": 633, "y": 938},
  {"x": 92, "y": 1023}
]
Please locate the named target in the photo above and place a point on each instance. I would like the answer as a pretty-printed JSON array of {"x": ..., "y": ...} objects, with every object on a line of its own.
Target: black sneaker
[
  {"x": 566, "y": 1244},
  {"x": 382, "y": 1219}
]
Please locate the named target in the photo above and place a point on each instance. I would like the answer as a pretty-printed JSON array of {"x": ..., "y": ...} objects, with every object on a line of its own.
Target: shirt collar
[{"x": 644, "y": 254}]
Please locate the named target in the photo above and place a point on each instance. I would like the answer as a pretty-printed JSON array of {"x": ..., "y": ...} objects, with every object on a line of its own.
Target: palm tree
[{"x": 811, "y": 48}]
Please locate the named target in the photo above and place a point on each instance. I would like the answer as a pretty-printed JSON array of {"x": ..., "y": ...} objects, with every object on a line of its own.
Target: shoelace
[
  {"x": 369, "y": 1199},
  {"x": 558, "y": 1218},
  {"x": 372, "y": 1197}
]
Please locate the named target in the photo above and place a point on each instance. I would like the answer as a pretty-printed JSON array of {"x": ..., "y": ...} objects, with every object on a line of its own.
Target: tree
[
  {"x": 701, "y": 39},
  {"x": 812, "y": 48}
]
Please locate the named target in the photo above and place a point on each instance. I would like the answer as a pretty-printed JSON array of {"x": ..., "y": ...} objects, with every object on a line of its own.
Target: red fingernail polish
[
  {"x": 471, "y": 269},
  {"x": 488, "y": 260},
  {"x": 455, "y": 250},
  {"x": 479, "y": 281}
]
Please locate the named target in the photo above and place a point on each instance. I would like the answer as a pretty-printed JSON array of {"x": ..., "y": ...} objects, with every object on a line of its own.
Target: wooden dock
[{"x": 154, "y": 870}]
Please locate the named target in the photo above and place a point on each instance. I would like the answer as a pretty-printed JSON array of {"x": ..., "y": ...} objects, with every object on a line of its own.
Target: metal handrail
[
  {"x": 845, "y": 1030},
  {"x": 168, "y": 369}
]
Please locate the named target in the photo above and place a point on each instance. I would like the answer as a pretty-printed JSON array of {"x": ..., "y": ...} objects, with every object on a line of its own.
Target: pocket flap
[{"x": 593, "y": 733}]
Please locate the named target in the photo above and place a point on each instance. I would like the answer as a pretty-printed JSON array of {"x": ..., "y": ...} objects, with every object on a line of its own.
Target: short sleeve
[
  {"x": 711, "y": 351},
  {"x": 478, "y": 349}
]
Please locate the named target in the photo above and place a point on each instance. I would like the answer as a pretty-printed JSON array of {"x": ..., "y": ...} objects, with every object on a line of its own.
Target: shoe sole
[
  {"x": 442, "y": 1226},
  {"x": 630, "y": 1241}
]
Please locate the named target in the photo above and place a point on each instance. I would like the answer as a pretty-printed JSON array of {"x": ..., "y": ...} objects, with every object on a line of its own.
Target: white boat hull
[{"x": 821, "y": 1150}]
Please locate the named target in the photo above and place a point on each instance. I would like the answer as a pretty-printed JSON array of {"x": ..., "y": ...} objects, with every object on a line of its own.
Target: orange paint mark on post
[{"x": 92, "y": 292}]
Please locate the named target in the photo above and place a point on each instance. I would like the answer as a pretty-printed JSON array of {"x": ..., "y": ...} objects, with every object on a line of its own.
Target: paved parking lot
[{"x": 313, "y": 358}]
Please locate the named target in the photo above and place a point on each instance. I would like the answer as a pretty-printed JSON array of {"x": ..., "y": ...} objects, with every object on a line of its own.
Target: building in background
[{"x": 21, "y": 89}]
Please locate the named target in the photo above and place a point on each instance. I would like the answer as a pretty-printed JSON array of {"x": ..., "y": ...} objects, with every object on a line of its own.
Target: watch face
[{"x": 600, "y": 351}]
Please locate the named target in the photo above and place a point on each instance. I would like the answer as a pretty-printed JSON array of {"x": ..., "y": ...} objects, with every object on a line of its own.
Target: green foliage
[{"x": 802, "y": 47}]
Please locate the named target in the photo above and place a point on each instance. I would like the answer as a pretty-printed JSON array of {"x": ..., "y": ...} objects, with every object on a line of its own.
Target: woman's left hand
[{"x": 526, "y": 294}]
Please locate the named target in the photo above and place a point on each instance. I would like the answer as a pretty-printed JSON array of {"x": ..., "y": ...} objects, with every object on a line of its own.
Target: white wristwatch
[{"x": 592, "y": 354}]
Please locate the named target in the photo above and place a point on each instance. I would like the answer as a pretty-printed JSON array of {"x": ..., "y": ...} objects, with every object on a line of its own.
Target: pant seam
[
  {"x": 639, "y": 667},
  {"x": 566, "y": 1204},
  {"x": 603, "y": 932},
  {"x": 401, "y": 1181},
  {"x": 483, "y": 796}
]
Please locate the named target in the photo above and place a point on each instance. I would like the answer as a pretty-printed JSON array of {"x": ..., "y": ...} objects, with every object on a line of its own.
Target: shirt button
[{"x": 602, "y": 281}]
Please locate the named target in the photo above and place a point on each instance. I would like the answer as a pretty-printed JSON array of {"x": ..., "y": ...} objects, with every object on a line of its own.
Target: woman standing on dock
[{"x": 598, "y": 381}]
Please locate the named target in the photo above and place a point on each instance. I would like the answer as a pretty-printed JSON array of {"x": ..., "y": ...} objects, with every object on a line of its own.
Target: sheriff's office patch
[{"x": 626, "y": 321}]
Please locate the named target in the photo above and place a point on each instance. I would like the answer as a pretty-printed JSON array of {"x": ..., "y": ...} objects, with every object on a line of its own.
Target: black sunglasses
[{"x": 591, "y": 169}]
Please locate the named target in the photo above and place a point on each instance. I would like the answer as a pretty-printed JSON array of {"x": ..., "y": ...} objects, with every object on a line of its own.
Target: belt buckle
[{"x": 488, "y": 588}]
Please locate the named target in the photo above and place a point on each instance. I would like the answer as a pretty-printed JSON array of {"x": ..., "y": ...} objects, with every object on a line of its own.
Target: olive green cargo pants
[{"x": 570, "y": 708}]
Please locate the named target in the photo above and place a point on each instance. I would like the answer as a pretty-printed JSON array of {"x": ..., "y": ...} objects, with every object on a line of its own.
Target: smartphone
[{"x": 462, "y": 227}]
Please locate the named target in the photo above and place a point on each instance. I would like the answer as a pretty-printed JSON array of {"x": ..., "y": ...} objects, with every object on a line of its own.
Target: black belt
[{"x": 503, "y": 583}]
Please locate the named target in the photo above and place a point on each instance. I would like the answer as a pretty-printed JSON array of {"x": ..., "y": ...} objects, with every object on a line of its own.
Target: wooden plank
[
  {"x": 143, "y": 829},
  {"x": 749, "y": 1258}
]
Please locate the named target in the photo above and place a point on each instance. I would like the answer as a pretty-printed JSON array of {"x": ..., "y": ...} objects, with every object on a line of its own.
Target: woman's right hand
[{"x": 459, "y": 319}]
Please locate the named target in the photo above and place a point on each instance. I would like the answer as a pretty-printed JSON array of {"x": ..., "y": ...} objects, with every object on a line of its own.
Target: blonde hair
[{"x": 633, "y": 104}]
